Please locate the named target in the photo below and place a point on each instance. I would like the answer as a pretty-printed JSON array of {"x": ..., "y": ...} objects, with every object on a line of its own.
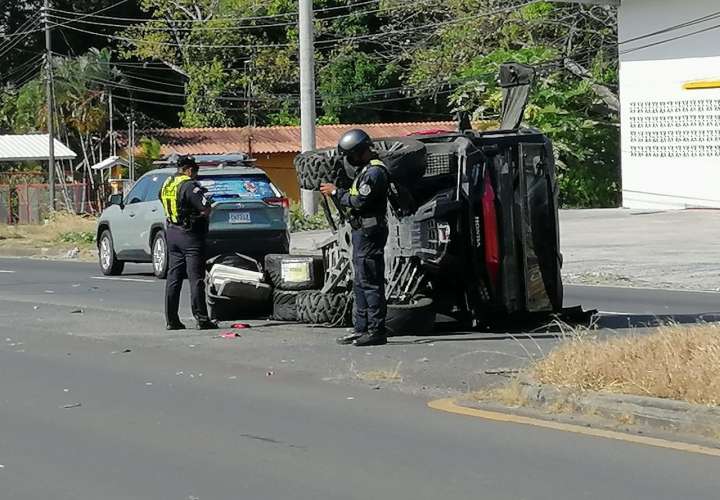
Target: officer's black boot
[
  {"x": 174, "y": 325},
  {"x": 206, "y": 324},
  {"x": 370, "y": 339},
  {"x": 349, "y": 339}
]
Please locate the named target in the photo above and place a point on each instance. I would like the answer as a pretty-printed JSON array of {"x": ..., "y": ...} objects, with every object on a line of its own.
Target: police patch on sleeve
[{"x": 365, "y": 189}]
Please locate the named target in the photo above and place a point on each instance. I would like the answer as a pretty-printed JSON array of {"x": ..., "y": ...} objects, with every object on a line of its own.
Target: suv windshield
[{"x": 252, "y": 187}]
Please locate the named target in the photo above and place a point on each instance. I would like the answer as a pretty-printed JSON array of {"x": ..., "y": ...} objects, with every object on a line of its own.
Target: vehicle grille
[{"x": 440, "y": 164}]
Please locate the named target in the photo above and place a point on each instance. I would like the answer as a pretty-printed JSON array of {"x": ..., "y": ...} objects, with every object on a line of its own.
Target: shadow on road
[{"x": 620, "y": 321}]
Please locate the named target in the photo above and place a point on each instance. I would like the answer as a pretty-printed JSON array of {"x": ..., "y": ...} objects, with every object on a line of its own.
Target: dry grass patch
[
  {"x": 381, "y": 375},
  {"x": 675, "y": 362},
  {"x": 511, "y": 394},
  {"x": 63, "y": 228}
]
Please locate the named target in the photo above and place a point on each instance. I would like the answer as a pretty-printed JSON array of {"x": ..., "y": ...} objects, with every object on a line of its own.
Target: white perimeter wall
[{"x": 670, "y": 136}]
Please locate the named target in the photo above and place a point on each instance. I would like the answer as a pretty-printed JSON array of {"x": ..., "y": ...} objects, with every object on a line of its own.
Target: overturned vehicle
[{"x": 473, "y": 226}]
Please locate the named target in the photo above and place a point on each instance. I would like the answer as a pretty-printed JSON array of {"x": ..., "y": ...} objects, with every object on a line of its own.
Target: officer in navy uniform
[
  {"x": 367, "y": 201},
  {"x": 186, "y": 210}
]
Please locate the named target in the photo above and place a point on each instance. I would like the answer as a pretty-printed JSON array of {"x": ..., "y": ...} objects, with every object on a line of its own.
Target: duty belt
[{"x": 367, "y": 222}]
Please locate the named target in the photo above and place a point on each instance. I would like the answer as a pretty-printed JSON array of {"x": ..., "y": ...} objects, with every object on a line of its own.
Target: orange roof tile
[{"x": 266, "y": 140}]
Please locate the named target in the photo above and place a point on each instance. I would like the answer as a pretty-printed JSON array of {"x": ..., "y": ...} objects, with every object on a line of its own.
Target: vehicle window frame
[
  {"x": 137, "y": 191},
  {"x": 151, "y": 195}
]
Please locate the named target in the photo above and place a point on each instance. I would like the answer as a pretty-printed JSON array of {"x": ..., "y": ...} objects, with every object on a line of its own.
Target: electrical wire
[
  {"x": 319, "y": 43},
  {"x": 668, "y": 40},
  {"x": 229, "y": 18}
]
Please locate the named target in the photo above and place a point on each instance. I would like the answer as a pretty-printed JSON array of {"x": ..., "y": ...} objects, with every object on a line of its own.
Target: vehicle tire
[
  {"x": 318, "y": 308},
  {"x": 415, "y": 318},
  {"x": 404, "y": 158},
  {"x": 160, "y": 255},
  {"x": 316, "y": 167},
  {"x": 109, "y": 263},
  {"x": 274, "y": 265},
  {"x": 285, "y": 305}
]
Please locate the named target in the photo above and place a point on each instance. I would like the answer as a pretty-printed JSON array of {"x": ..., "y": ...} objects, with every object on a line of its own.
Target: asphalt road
[
  {"x": 173, "y": 423},
  {"x": 82, "y": 284}
]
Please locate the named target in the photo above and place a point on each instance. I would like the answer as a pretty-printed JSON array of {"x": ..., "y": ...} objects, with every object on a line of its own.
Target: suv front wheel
[
  {"x": 109, "y": 263},
  {"x": 159, "y": 255}
]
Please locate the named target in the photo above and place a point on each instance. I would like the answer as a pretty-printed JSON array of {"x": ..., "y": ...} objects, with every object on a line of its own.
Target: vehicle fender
[{"x": 154, "y": 229}]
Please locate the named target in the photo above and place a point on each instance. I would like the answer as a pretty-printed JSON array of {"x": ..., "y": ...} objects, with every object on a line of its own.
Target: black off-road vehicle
[{"x": 473, "y": 229}]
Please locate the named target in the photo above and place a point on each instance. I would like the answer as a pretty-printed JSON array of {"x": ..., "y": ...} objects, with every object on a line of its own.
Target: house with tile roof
[{"x": 274, "y": 148}]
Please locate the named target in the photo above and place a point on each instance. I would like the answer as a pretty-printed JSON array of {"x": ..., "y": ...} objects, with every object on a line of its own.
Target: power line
[
  {"x": 675, "y": 27},
  {"x": 668, "y": 40},
  {"x": 322, "y": 42},
  {"x": 229, "y": 18},
  {"x": 220, "y": 28}
]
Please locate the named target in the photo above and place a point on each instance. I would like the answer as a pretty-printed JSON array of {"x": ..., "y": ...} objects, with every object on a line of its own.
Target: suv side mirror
[{"x": 116, "y": 199}]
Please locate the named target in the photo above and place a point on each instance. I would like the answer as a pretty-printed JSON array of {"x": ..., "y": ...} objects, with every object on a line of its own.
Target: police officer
[
  {"x": 367, "y": 201},
  {"x": 186, "y": 212}
]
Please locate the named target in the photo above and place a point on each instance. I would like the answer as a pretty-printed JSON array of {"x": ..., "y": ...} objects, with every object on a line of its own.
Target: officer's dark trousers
[
  {"x": 186, "y": 257},
  {"x": 369, "y": 283}
]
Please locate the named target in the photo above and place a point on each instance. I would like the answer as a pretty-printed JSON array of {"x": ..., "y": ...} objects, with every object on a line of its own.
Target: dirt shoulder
[{"x": 65, "y": 236}]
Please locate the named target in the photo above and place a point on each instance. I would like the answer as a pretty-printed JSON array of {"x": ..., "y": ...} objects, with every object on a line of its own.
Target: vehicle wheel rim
[
  {"x": 105, "y": 253},
  {"x": 159, "y": 255}
]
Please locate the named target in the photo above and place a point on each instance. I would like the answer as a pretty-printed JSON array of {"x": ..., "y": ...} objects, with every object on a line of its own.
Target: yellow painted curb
[
  {"x": 710, "y": 84},
  {"x": 450, "y": 406}
]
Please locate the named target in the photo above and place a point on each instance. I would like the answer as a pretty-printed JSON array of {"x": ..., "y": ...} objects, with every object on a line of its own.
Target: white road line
[
  {"x": 6, "y": 272},
  {"x": 134, "y": 280}
]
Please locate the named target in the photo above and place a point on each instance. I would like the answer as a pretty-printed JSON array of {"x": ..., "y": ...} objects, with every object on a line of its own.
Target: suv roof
[{"x": 215, "y": 171}]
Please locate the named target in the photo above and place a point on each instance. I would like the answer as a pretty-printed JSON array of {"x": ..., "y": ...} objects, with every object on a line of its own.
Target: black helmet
[
  {"x": 353, "y": 144},
  {"x": 186, "y": 162}
]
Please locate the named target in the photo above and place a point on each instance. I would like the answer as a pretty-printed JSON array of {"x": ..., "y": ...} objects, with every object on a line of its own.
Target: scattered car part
[
  {"x": 295, "y": 272},
  {"x": 236, "y": 288},
  {"x": 319, "y": 308},
  {"x": 416, "y": 317},
  {"x": 285, "y": 305}
]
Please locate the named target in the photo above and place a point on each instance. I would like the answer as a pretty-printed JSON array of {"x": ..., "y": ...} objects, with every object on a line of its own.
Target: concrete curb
[{"x": 655, "y": 413}]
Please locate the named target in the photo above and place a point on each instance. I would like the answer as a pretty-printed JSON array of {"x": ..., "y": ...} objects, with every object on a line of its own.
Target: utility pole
[
  {"x": 307, "y": 92},
  {"x": 50, "y": 106},
  {"x": 112, "y": 131}
]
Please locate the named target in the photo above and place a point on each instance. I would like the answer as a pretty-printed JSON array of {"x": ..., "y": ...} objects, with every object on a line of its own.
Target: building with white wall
[{"x": 670, "y": 103}]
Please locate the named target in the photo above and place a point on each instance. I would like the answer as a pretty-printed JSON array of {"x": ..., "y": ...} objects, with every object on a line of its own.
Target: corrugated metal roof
[
  {"x": 267, "y": 140},
  {"x": 110, "y": 162},
  {"x": 33, "y": 147}
]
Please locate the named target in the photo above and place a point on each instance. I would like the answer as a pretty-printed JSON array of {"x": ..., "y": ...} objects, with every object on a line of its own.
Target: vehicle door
[
  {"x": 127, "y": 229},
  {"x": 152, "y": 209}
]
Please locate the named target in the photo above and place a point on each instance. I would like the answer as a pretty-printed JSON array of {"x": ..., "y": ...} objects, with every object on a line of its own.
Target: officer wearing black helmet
[
  {"x": 367, "y": 201},
  {"x": 186, "y": 212}
]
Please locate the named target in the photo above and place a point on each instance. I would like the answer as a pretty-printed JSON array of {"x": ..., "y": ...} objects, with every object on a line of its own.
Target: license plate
[{"x": 239, "y": 218}]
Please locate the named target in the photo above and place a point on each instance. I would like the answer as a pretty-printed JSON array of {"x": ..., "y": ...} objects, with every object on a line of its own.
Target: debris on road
[
  {"x": 502, "y": 371},
  {"x": 125, "y": 351},
  {"x": 76, "y": 311},
  {"x": 229, "y": 335},
  {"x": 73, "y": 253},
  {"x": 269, "y": 374},
  {"x": 72, "y": 405},
  {"x": 240, "y": 326}
]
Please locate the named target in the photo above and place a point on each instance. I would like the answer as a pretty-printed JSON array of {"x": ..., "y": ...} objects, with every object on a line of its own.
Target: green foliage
[
  {"x": 208, "y": 82},
  {"x": 149, "y": 152},
  {"x": 300, "y": 221},
  {"x": 77, "y": 237},
  {"x": 351, "y": 77}
]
